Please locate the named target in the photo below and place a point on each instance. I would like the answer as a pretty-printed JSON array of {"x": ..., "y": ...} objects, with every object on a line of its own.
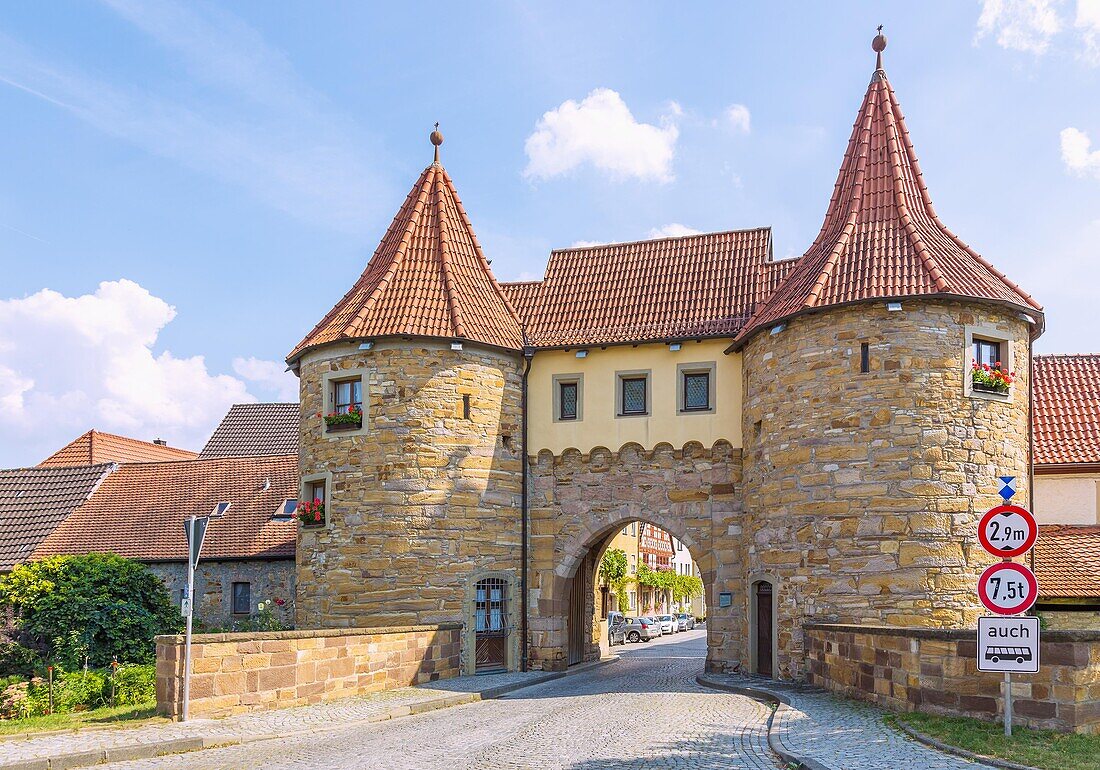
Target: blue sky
[{"x": 226, "y": 171}]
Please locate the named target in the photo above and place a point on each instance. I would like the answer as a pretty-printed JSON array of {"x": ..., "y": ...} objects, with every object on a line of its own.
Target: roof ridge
[
  {"x": 1067, "y": 355},
  {"x": 444, "y": 240}
]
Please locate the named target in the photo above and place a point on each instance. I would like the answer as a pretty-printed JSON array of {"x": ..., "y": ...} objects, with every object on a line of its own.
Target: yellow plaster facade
[{"x": 598, "y": 423}]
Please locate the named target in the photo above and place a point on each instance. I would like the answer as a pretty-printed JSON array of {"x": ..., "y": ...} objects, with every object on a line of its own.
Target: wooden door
[
  {"x": 764, "y": 663},
  {"x": 577, "y": 617},
  {"x": 491, "y": 625}
]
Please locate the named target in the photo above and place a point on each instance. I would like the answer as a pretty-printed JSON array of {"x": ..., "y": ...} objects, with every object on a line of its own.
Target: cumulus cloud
[
  {"x": 1077, "y": 153},
  {"x": 68, "y": 364},
  {"x": 672, "y": 230},
  {"x": 586, "y": 244},
  {"x": 600, "y": 131},
  {"x": 1019, "y": 25},
  {"x": 271, "y": 376},
  {"x": 1088, "y": 22},
  {"x": 739, "y": 118}
]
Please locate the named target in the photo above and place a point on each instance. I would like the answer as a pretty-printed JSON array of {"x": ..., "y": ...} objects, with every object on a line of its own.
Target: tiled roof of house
[
  {"x": 255, "y": 429},
  {"x": 138, "y": 510},
  {"x": 428, "y": 278},
  {"x": 1067, "y": 561},
  {"x": 98, "y": 447},
  {"x": 671, "y": 288},
  {"x": 1067, "y": 409},
  {"x": 881, "y": 238},
  {"x": 33, "y": 501}
]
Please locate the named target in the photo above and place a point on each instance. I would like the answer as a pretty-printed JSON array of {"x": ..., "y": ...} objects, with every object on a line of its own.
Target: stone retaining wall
[
  {"x": 236, "y": 673},
  {"x": 935, "y": 670}
]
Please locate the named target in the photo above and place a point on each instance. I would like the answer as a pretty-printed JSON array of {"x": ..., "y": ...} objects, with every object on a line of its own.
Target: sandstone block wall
[
  {"x": 578, "y": 501},
  {"x": 425, "y": 498},
  {"x": 932, "y": 670},
  {"x": 237, "y": 673},
  {"x": 862, "y": 491}
]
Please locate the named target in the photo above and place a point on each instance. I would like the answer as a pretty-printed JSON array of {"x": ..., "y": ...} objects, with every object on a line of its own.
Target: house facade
[{"x": 810, "y": 429}]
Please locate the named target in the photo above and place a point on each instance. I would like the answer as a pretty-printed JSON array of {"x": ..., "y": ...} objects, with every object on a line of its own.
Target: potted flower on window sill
[
  {"x": 352, "y": 419},
  {"x": 311, "y": 514},
  {"x": 991, "y": 379}
]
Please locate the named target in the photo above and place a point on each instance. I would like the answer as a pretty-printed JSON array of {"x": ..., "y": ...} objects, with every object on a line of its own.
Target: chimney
[{"x": 160, "y": 442}]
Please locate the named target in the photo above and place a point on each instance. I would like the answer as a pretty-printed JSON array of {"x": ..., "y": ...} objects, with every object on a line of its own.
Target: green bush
[
  {"x": 88, "y": 610},
  {"x": 135, "y": 684},
  {"x": 80, "y": 691}
]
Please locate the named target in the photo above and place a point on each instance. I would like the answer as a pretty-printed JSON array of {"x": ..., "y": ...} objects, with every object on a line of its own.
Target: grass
[
  {"x": 1045, "y": 749},
  {"x": 107, "y": 716}
]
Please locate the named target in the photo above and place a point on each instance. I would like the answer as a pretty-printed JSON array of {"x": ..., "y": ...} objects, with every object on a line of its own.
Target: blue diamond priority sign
[{"x": 1008, "y": 486}]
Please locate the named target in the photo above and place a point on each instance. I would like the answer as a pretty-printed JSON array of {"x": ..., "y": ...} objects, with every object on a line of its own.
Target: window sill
[
  {"x": 633, "y": 414},
  {"x": 988, "y": 395},
  {"x": 696, "y": 411}
]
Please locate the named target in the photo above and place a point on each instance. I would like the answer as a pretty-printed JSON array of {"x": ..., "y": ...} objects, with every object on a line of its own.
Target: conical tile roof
[
  {"x": 881, "y": 238},
  {"x": 428, "y": 278}
]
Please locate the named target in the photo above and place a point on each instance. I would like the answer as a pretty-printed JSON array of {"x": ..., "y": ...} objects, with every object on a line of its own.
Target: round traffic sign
[
  {"x": 1008, "y": 588},
  {"x": 1007, "y": 531}
]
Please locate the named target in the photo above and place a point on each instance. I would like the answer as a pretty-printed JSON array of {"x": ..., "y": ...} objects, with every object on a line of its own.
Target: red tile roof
[
  {"x": 1067, "y": 409},
  {"x": 1067, "y": 561},
  {"x": 255, "y": 429},
  {"x": 138, "y": 510},
  {"x": 99, "y": 447},
  {"x": 428, "y": 278},
  {"x": 672, "y": 288},
  {"x": 881, "y": 237}
]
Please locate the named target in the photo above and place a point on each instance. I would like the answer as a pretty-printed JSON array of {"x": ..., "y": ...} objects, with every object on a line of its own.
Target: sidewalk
[
  {"x": 825, "y": 732},
  {"x": 89, "y": 747}
]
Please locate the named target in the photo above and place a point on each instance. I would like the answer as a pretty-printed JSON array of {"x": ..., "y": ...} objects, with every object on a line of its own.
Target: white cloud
[
  {"x": 672, "y": 230},
  {"x": 586, "y": 244},
  {"x": 1088, "y": 22},
  {"x": 243, "y": 116},
  {"x": 1020, "y": 25},
  {"x": 272, "y": 376},
  {"x": 601, "y": 131},
  {"x": 739, "y": 118},
  {"x": 1077, "y": 153},
  {"x": 68, "y": 364}
]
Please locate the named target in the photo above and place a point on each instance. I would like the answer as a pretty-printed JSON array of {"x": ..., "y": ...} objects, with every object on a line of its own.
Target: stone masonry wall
[
  {"x": 237, "y": 673},
  {"x": 863, "y": 491},
  {"x": 424, "y": 499},
  {"x": 577, "y": 501},
  {"x": 932, "y": 670},
  {"x": 269, "y": 579}
]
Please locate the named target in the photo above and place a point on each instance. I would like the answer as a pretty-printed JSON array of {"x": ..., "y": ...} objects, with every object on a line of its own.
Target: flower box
[
  {"x": 339, "y": 426},
  {"x": 311, "y": 514},
  {"x": 352, "y": 419},
  {"x": 991, "y": 379}
]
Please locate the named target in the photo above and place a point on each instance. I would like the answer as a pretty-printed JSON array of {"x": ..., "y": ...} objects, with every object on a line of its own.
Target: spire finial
[
  {"x": 436, "y": 138},
  {"x": 878, "y": 45}
]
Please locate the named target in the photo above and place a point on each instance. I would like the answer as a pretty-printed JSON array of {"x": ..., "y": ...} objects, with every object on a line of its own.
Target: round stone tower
[
  {"x": 410, "y": 433},
  {"x": 869, "y": 452}
]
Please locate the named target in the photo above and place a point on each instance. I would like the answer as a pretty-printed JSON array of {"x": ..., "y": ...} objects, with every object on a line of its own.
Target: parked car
[
  {"x": 669, "y": 624},
  {"x": 686, "y": 621},
  {"x": 616, "y": 629},
  {"x": 641, "y": 629}
]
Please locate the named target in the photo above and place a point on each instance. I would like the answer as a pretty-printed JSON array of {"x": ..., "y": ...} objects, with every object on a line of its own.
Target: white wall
[{"x": 1068, "y": 499}]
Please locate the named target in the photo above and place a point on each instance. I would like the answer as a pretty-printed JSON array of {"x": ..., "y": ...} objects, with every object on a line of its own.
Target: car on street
[
  {"x": 669, "y": 624},
  {"x": 641, "y": 629},
  {"x": 653, "y": 619},
  {"x": 616, "y": 629},
  {"x": 685, "y": 621}
]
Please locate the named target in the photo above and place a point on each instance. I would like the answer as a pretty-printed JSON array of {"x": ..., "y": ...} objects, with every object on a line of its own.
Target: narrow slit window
[
  {"x": 466, "y": 407},
  {"x": 865, "y": 357}
]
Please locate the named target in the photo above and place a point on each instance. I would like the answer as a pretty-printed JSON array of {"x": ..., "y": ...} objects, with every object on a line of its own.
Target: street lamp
[{"x": 194, "y": 529}]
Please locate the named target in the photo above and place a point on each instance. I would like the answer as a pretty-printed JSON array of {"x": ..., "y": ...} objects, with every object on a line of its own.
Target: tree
[
  {"x": 89, "y": 609},
  {"x": 686, "y": 588},
  {"x": 613, "y": 575}
]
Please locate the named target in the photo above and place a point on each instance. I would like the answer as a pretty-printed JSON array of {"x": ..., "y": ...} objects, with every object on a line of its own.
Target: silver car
[
  {"x": 685, "y": 621},
  {"x": 641, "y": 629},
  {"x": 669, "y": 624}
]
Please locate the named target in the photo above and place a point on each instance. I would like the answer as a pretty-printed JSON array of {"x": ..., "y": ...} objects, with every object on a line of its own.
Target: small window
[
  {"x": 315, "y": 490},
  {"x": 466, "y": 406},
  {"x": 347, "y": 394},
  {"x": 864, "y": 357},
  {"x": 633, "y": 564},
  {"x": 567, "y": 400},
  {"x": 987, "y": 352},
  {"x": 633, "y": 600},
  {"x": 696, "y": 391},
  {"x": 633, "y": 401},
  {"x": 242, "y": 598},
  {"x": 286, "y": 510}
]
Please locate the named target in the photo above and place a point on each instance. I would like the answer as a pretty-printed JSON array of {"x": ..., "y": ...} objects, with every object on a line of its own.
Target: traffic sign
[
  {"x": 1008, "y": 487},
  {"x": 1008, "y": 644},
  {"x": 1008, "y": 588},
  {"x": 1007, "y": 531}
]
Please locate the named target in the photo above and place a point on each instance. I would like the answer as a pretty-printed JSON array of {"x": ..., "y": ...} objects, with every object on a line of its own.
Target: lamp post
[{"x": 195, "y": 530}]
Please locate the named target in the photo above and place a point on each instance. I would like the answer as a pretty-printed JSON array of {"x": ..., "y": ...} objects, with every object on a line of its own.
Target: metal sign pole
[
  {"x": 1008, "y": 704},
  {"x": 190, "y": 612}
]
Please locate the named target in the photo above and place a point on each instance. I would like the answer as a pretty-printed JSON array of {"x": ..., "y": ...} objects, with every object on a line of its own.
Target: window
[
  {"x": 242, "y": 598},
  {"x": 315, "y": 490},
  {"x": 568, "y": 397},
  {"x": 345, "y": 391},
  {"x": 987, "y": 352},
  {"x": 466, "y": 406},
  {"x": 695, "y": 387},
  {"x": 633, "y": 600},
  {"x": 633, "y": 564},
  {"x": 347, "y": 394},
  {"x": 864, "y": 357},
  {"x": 567, "y": 400},
  {"x": 633, "y": 394}
]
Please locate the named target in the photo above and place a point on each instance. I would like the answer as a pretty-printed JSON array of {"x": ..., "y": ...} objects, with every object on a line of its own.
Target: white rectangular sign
[{"x": 1008, "y": 644}]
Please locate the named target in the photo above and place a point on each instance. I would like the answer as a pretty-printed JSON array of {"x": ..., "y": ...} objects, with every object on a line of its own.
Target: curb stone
[
  {"x": 200, "y": 742},
  {"x": 928, "y": 740}
]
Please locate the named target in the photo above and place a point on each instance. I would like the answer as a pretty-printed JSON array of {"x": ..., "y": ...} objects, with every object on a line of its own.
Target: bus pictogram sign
[
  {"x": 1007, "y": 531},
  {"x": 1008, "y": 588}
]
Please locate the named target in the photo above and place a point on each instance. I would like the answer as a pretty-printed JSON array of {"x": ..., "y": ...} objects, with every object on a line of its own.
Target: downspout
[{"x": 528, "y": 354}]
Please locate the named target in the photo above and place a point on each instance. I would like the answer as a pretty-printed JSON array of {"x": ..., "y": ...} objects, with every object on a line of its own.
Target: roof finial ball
[
  {"x": 878, "y": 45},
  {"x": 436, "y": 138}
]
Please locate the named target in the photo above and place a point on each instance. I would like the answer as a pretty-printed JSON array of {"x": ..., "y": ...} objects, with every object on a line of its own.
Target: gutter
[{"x": 528, "y": 355}]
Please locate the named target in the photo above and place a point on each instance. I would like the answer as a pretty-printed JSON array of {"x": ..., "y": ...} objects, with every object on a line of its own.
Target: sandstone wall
[
  {"x": 421, "y": 501},
  {"x": 578, "y": 501},
  {"x": 863, "y": 491},
  {"x": 932, "y": 670},
  {"x": 236, "y": 673}
]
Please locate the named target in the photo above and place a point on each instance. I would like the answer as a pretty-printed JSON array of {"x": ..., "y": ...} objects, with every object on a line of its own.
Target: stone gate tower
[
  {"x": 422, "y": 493},
  {"x": 869, "y": 453}
]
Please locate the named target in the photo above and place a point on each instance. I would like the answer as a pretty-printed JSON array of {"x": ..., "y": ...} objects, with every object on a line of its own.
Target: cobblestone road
[{"x": 646, "y": 711}]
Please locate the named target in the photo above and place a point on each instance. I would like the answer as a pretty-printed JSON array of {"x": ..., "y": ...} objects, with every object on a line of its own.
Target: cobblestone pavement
[
  {"x": 646, "y": 711},
  {"x": 845, "y": 735}
]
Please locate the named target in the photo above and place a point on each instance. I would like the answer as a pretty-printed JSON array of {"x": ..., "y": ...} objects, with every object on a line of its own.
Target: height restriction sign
[
  {"x": 1008, "y": 588},
  {"x": 1007, "y": 531}
]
